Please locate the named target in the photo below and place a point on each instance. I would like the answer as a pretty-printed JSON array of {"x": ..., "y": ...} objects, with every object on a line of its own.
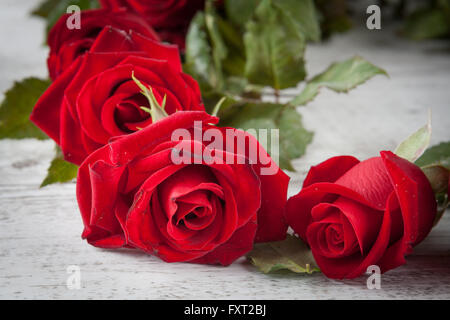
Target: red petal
[
  {"x": 88, "y": 116},
  {"x": 370, "y": 179},
  {"x": 378, "y": 250},
  {"x": 46, "y": 113},
  {"x": 105, "y": 179},
  {"x": 328, "y": 215},
  {"x": 141, "y": 169},
  {"x": 113, "y": 40},
  {"x": 92, "y": 65},
  {"x": 110, "y": 242},
  {"x": 330, "y": 170},
  {"x": 71, "y": 138},
  {"x": 243, "y": 186},
  {"x": 365, "y": 221},
  {"x": 273, "y": 184},
  {"x": 355, "y": 265},
  {"x": 415, "y": 195},
  {"x": 238, "y": 245},
  {"x": 417, "y": 204},
  {"x": 183, "y": 182},
  {"x": 84, "y": 190},
  {"x": 158, "y": 50},
  {"x": 298, "y": 208},
  {"x": 128, "y": 147}
]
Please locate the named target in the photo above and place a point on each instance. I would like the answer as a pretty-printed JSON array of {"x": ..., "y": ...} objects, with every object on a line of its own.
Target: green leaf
[
  {"x": 436, "y": 155},
  {"x": 234, "y": 62},
  {"x": 427, "y": 23},
  {"x": 205, "y": 52},
  {"x": 219, "y": 49},
  {"x": 215, "y": 54},
  {"x": 240, "y": 11},
  {"x": 274, "y": 48},
  {"x": 416, "y": 144},
  {"x": 199, "y": 60},
  {"x": 340, "y": 77},
  {"x": 302, "y": 12},
  {"x": 215, "y": 57},
  {"x": 16, "y": 108},
  {"x": 293, "y": 138},
  {"x": 60, "y": 171},
  {"x": 290, "y": 254},
  {"x": 304, "y": 15},
  {"x": 52, "y": 10}
]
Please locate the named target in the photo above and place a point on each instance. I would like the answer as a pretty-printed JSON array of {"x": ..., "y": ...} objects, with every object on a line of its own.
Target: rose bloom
[
  {"x": 170, "y": 18},
  {"x": 204, "y": 212},
  {"x": 68, "y": 44},
  {"x": 355, "y": 214},
  {"x": 96, "y": 98}
]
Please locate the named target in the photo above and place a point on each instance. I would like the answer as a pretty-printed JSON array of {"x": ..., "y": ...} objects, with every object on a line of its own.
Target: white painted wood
[{"x": 40, "y": 228}]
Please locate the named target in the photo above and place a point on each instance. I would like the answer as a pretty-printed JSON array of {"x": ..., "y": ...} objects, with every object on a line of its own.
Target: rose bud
[
  {"x": 96, "y": 99},
  {"x": 201, "y": 211},
  {"x": 355, "y": 214},
  {"x": 68, "y": 44}
]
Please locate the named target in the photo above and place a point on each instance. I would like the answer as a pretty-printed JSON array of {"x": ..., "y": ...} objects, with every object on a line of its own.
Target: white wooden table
[{"x": 40, "y": 228}]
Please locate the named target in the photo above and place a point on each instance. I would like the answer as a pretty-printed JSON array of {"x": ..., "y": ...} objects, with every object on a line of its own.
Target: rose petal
[
  {"x": 125, "y": 149},
  {"x": 298, "y": 207},
  {"x": 370, "y": 179},
  {"x": 71, "y": 140},
  {"x": 110, "y": 242},
  {"x": 84, "y": 190},
  {"x": 327, "y": 214},
  {"x": 105, "y": 179},
  {"x": 239, "y": 244},
  {"x": 378, "y": 250},
  {"x": 365, "y": 221},
  {"x": 158, "y": 50},
  {"x": 330, "y": 170},
  {"x": 418, "y": 207},
  {"x": 415, "y": 196},
  {"x": 183, "y": 182},
  {"x": 274, "y": 183},
  {"x": 47, "y": 111}
]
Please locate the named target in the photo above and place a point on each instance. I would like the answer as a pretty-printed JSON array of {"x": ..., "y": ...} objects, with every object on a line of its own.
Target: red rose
[
  {"x": 160, "y": 13},
  {"x": 170, "y": 18},
  {"x": 205, "y": 212},
  {"x": 356, "y": 214},
  {"x": 67, "y": 44},
  {"x": 96, "y": 99}
]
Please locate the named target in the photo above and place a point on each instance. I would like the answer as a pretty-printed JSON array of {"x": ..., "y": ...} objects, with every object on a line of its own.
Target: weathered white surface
[{"x": 40, "y": 229}]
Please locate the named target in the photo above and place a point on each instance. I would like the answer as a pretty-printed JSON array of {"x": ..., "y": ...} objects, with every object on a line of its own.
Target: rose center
[
  {"x": 332, "y": 234},
  {"x": 197, "y": 219},
  {"x": 129, "y": 115}
]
